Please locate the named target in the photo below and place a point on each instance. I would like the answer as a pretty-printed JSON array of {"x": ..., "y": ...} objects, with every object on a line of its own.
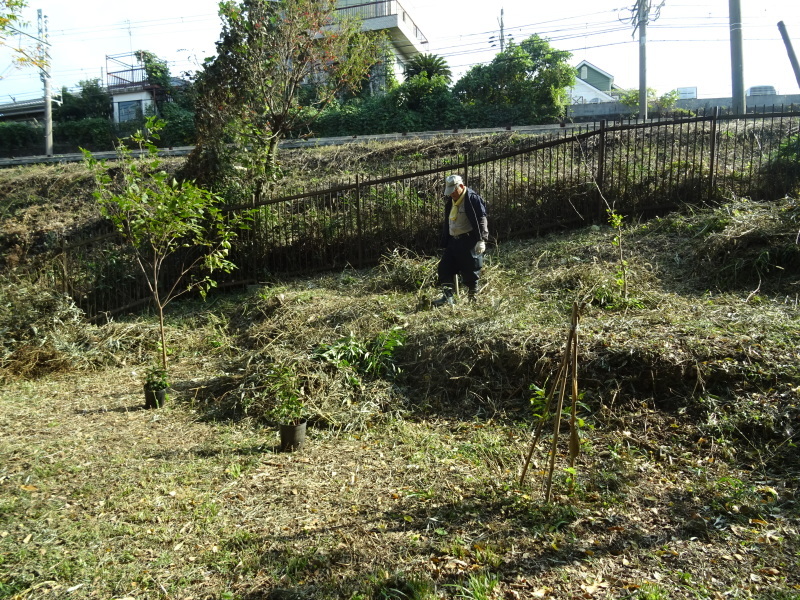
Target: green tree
[
  {"x": 278, "y": 65},
  {"x": 662, "y": 103},
  {"x": 162, "y": 219},
  {"x": 156, "y": 69},
  {"x": 430, "y": 64},
  {"x": 526, "y": 83},
  {"x": 92, "y": 101},
  {"x": 423, "y": 103},
  {"x": 666, "y": 102},
  {"x": 174, "y": 103}
]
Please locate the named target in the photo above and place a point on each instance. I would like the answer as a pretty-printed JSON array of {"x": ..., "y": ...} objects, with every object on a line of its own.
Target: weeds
[
  {"x": 373, "y": 358},
  {"x": 408, "y": 485},
  {"x": 478, "y": 587}
]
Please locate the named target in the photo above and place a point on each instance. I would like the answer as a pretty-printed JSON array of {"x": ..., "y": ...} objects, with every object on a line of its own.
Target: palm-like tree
[{"x": 432, "y": 64}]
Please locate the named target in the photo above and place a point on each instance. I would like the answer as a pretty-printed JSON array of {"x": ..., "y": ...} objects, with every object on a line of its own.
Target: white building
[
  {"x": 405, "y": 37},
  {"x": 592, "y": 85},
  {"x": 133, "y": 95}
]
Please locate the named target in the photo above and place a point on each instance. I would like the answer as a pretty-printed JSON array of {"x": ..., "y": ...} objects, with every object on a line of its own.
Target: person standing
[{"x": 464, "y": 235}]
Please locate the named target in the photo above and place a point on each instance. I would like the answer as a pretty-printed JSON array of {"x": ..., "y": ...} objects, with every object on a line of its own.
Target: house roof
[
  {"x": 26, "y": 107},
  {"x": 598, "y": 69}
]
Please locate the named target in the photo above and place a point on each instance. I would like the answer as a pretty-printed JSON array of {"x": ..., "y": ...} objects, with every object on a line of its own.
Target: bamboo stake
[
  {"x": 574, "y": 437},
  {"x": 557, "y": 420},
  {"x": 543, "y": 418},
  {"x": 568, "y": 369}
]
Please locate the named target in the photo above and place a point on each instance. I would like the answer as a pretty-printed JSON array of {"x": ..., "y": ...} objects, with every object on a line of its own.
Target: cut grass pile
[{"x": 420, "y": 420}]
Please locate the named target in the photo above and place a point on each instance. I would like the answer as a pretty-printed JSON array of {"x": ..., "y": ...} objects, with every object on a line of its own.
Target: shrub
[
  {"x": 95, "y": 133},
  {"x": 19, "y": 136},
  {"x": 179, "y": 129}
]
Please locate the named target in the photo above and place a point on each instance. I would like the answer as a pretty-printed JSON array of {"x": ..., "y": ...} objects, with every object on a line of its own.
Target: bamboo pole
[{"x": 568, "y": 371}]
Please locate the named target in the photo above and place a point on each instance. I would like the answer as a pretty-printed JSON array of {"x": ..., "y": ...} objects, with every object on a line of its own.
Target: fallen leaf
[
  {"x": 768, "y": 490},
  {"x": 29, "y": 488}
]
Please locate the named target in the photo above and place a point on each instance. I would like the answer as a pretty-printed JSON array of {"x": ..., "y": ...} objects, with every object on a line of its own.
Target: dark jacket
[{"x": 475, "y": 208}]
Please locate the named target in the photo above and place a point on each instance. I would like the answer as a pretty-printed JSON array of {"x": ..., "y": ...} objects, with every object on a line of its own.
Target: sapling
[
  {"x": 616, "y": 219},
  {"x": 177, "y": 232}
]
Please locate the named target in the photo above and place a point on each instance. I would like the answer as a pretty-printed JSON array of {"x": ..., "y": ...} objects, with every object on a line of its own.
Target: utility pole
[
  {"x": 502, "y": 33},
  {"x": 643, "y": 16},
  {"x": 44, "y": 57},
  {"x": 737, "y": 60},
  {"x": 640, "y": 15},
  {"x": 790, "y": 50}
]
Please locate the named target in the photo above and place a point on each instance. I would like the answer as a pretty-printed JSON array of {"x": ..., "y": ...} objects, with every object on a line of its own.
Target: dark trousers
[{"x": 458, "y": 260}]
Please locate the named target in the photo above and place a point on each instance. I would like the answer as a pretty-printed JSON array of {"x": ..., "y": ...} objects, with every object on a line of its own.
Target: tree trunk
[
  {"x": 163, "y": 335},
  {"x": 272, "y": 157}
]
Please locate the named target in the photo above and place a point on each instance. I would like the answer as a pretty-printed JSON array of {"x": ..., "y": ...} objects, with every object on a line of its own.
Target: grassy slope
[{"x": 408, "y": 487}]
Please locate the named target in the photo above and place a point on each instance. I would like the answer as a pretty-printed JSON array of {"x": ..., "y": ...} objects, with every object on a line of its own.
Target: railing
[
  {"x": 544, "y": 184},
  {"x": 382, "y": 8},
  {"x": 127, "y": 78}
]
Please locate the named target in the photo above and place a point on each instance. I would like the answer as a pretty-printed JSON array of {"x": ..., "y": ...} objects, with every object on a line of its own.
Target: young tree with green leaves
[
  {"x": 527, "y": 83},
  {"x": 164, "y": 220},
  {"x": 278, "y": 65}
]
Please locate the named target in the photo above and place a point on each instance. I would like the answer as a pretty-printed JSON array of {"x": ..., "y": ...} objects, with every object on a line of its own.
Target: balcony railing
[
  {"x": 383, "y": 8},
  {"x": 128, "y": 78}
]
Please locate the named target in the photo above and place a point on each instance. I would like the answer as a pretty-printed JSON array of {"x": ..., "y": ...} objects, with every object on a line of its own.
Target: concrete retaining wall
[{"x": 615, "y": 110}]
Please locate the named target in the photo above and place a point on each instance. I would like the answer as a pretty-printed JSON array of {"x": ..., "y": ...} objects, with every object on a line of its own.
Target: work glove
[{"x": 480, "y": 247}]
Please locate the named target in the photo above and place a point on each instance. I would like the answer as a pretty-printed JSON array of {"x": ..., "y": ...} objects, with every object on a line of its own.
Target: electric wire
[{"x": 454, "y": 49}]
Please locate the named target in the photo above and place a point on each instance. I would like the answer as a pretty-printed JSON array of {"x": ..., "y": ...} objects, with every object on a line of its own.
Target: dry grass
[{"x": 408, "y": 486}]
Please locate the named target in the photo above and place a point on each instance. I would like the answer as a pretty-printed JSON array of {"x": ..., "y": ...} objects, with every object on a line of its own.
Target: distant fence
[{"x": 547, "y": 183}]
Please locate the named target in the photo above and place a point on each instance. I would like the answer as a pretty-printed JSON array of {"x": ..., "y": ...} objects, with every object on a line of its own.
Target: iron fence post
[
  {"x": 601, "y": 170},
  {"x": 712, "y": 166},
  {"x": 360, "y": 235}
]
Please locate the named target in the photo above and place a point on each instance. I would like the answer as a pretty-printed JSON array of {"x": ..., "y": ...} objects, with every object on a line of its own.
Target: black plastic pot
[
  {"x": 292, "y": 436},
  {"x": 155, "y": 398}
]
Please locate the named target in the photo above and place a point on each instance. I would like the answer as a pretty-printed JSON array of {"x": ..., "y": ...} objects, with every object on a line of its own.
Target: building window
[
  {"x": 130, "y": 111},
  {"x": 584, "y": 72}
]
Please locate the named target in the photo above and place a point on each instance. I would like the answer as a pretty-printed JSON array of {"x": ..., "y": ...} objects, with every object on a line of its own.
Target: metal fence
[
  {"x": 544, "y": 184},
  {"x": 560, "y": 181}
]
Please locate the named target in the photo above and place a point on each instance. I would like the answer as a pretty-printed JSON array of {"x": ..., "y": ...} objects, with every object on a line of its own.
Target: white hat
[{"x": 451, "y": 182}]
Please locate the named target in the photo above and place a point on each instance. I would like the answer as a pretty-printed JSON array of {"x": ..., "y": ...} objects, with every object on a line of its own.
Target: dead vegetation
[
  {"x": 419, "y": 420},
  {"x": 408, "y": 487}
]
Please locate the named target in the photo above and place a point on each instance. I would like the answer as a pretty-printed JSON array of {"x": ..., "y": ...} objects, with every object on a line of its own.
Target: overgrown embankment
[
  {"x": 408, "y": 487},
  {"x": 706, "y": 307}
]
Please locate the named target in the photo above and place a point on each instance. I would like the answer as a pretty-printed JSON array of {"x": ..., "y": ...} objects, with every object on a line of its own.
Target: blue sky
[{"x": 688, "y": 46}]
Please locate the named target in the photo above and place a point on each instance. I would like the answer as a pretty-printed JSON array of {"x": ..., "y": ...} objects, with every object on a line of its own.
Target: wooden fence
[{"x": 545, "y": 184}]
